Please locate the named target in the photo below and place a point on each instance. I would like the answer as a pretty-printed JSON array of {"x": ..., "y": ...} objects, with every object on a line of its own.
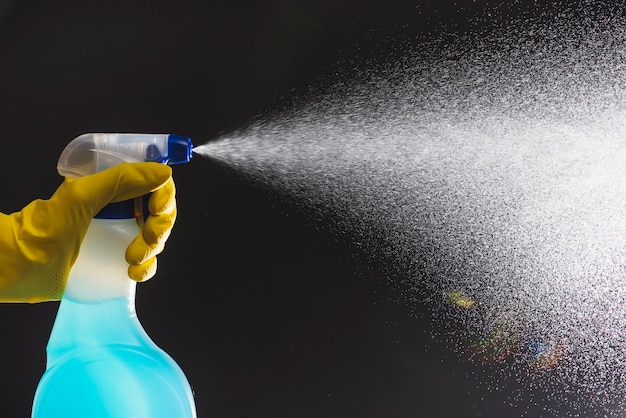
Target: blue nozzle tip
[{"x": 179, "y": 149}]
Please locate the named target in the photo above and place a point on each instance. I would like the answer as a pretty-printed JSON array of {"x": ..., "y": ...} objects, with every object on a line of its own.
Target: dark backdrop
[{"x": 267, "y": 315}]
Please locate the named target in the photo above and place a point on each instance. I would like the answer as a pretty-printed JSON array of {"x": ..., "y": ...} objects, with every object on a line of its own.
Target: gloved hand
[{"x": 40, "y": 243}]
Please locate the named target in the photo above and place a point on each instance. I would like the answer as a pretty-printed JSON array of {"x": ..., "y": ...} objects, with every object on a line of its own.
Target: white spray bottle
[{"x": 100, "y": 361}]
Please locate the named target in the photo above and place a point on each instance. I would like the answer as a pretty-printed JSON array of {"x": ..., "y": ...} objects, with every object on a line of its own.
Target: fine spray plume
[
  {"x": 100, "y": 361},
  {"x": 489, "y": 170}
]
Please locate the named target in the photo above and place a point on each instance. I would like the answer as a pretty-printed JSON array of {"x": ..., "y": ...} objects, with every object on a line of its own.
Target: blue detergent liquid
[{"x": 101, "y": 363}]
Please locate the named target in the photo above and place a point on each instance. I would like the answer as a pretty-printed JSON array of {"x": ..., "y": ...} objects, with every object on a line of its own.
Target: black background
[{"x": 267, "y": 314}]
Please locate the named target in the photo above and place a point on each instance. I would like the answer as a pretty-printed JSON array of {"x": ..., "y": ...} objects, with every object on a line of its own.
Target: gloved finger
[
  {"x": 162, "y": 206},
  {"x": 163, "y": 200},
  {"x": 143, "y": 272},
  {"x": 157, "y": 227},
  {"x": 121, "y": 182}
]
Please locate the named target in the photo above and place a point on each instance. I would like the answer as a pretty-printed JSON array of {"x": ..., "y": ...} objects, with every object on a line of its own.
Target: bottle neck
[
  {"x": 101, "y": 272},
  {"x": 98, "y": 306}
]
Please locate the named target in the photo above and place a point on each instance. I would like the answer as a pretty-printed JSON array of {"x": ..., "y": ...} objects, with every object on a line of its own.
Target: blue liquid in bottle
[{"x": 101, "y": 362}]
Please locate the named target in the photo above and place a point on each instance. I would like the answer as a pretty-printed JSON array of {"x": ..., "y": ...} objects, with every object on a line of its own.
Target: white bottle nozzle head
[{"x": 91, "y": 153}]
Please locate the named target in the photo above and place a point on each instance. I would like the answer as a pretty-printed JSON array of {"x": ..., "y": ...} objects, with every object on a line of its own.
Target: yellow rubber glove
[{"x": 40, "y": 243}]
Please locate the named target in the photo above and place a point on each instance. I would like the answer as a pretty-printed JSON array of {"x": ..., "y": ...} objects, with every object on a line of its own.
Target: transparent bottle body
[{"x": 101, "y": 362}]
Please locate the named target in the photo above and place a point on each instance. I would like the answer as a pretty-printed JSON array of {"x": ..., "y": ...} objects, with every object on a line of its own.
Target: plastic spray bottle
[{"x": 100, "y": 361}]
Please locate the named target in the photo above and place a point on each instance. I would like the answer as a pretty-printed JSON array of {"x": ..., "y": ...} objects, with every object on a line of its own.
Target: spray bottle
[{"x": 100, "y": 361}]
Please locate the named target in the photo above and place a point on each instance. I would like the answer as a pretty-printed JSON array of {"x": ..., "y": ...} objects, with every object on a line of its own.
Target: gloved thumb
[{"x": 118, "y": 183}]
